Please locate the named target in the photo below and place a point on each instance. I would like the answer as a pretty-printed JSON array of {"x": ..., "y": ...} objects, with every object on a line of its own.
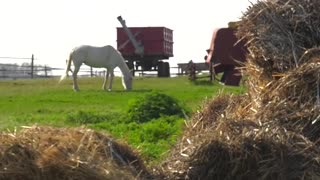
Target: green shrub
[{"x": 152, "y": 106}]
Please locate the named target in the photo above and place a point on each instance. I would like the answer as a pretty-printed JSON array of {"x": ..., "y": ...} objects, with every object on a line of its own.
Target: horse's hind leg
[
  {"x": 104, "y": 87},
  {"x": 111, "y": 80},
  {"x": 74, "y": 74}
]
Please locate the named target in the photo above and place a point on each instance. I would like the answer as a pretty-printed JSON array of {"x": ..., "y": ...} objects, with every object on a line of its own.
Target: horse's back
[{"x": 97, "y": 56}]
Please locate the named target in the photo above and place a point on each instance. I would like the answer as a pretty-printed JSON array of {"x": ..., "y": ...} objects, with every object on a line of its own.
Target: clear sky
[{"x": 50, "y": 29}]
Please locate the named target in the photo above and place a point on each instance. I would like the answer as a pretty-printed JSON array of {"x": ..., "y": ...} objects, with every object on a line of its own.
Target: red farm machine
[
  {"x": 145, "y": 48},
  {"x": 225, "y": 54}
]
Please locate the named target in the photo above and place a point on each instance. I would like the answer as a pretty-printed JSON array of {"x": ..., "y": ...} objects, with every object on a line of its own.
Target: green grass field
[{"x": 45, "y": 102}]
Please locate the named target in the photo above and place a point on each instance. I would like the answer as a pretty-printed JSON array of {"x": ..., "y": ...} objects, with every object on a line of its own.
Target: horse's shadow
[
  {"x": 203, "y": 83},
  {"x": 131, "y": 91}
]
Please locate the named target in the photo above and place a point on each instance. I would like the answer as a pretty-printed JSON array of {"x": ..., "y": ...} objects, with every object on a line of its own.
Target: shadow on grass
[
  {"x": 133, "y": 90},
  {"x": 203, "y": 83}
]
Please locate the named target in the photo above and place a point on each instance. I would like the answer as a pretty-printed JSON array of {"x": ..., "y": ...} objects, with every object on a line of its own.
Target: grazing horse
[{"x": 107, "y": 57}]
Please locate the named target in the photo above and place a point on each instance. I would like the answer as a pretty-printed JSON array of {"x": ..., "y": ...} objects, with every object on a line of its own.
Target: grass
[{"x": 45, "y": 102}]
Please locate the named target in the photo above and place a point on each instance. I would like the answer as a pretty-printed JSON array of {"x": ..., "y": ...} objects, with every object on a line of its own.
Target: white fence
[{"x": 10, "y": 68}]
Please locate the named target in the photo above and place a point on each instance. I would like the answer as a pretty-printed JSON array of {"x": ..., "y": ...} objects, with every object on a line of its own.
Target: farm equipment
[
  {"x": 225, "y": 54},
  {"x": 145, "y": 48}
]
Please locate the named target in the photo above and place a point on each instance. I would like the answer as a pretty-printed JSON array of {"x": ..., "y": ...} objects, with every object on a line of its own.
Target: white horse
[{"x": 107, "y": 57}]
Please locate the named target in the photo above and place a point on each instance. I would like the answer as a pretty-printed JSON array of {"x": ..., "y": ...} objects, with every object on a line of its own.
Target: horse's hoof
[{"x": 109, "y": 90}]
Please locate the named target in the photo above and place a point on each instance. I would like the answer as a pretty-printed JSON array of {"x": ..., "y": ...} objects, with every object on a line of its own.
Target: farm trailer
[
  {"x": 145, "y": 48},
  {"x": 225, "y": 53}
]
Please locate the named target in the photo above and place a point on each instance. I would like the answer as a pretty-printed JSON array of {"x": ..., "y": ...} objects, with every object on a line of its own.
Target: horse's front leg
[
  {"x": 74, "y": 75},
  {"x": 111, "y": 80},
  {"x": 104, "y": 86}
]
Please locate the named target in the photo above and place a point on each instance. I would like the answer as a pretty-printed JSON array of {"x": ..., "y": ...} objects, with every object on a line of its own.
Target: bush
[{"x": 152, "y": 106}]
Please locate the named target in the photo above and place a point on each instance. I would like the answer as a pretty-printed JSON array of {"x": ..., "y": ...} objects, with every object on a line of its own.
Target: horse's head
[{"x": 127, "y": 82}]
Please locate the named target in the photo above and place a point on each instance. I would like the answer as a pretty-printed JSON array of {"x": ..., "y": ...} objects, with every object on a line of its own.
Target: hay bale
[
  {"x": 272, "y": 132},
  {"x": 293, "y": 101},
  {"x": 199, "y": 130},
  {"x": 206, "y": 120},
  {"x": 211, "y": 110},
  {"x": 18, "y": 162},
  {"x": 67, "y": 153},
  {"x": 279, "y": 32},
  {"x": 228, "y": 140},
  {"x": 241, "y": 149},
  {"x": 255, "y": 154}
]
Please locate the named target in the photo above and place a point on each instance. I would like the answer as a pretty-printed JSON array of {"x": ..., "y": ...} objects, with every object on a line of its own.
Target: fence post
[
  {"x": 91, "y": 73},
  {"x": 32, "y": 61},
  {"x": 45, "y": 71}
]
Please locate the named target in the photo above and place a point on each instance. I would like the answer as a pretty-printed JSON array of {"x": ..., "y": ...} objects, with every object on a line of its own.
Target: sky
[{"x": 50, "y": 29}]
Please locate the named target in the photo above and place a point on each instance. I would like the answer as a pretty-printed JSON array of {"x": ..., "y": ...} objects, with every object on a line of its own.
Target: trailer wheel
[
  {"x": 166, "y": 69},
  {"x": 163, "y": 69},
  {"x": 160, "y": 68}
]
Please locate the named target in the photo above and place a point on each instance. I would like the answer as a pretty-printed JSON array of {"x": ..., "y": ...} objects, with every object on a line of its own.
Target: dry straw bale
[
  {"x": 279, "y": 32},
  {"x": 65, "y": 153},
  {"x": 259, "y": 153},
  {"x": 272, "y": 131},
  {"x": 233, "y": 147},
  {"x": 198, "y": 131},
  {"x": 293, "y": 101},
  {"x": 206, "y": 120}
]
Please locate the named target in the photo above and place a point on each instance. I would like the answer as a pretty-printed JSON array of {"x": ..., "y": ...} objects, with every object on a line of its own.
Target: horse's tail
[{"x": 67, "y": 68}]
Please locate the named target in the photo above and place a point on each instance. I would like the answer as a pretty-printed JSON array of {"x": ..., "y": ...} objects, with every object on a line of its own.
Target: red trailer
[
  {"x": 225, "y": 53},
  {"x": 145, "y": 47}
]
